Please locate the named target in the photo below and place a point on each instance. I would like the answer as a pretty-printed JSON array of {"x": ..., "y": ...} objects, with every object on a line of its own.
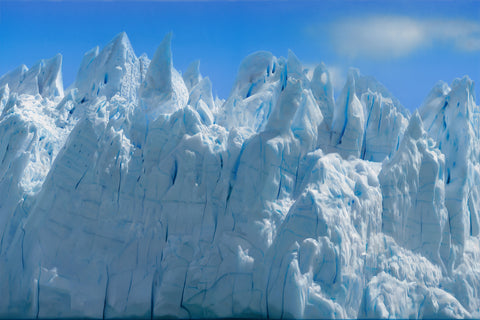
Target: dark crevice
[
  {"x": 295, "y": 191},
  {"x": 281, "y": 176},
  {"x": 284, "y": 78},
  {"x": 279, "y": 188},
  {"x": 445, "y": 105},
  {"x": 152, "y": 295},
  {"x": 364, "y": 140},
  {"x": 337, "y": 264},
  {"x": 174, "y": 172},
  {"x": 215, "y": 220},
  {"x": 129, "y": 287},
  {"x": 221, "y": 169},
  {"x": 119, "y": 185},
  {"x": 6, "y": 153},
  {"x": 380, "y": 120},
  {"x": 183, "y": 292},
  {"x": 339, "y": 141},
  {"x": 106, "y": 296},
  {"x": 80, "y": 180},
  {"x": 249, "y": 93},
  {"x": 233, "y": 177},
  {"x": 230, "y": 187}
]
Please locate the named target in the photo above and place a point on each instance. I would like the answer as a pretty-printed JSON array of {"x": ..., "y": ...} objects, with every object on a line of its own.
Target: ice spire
[
  {"x": 158, "y": 81},
  {"x": 322, "y": 90},
  {"x": 192, "y": 76},
  {"x": 112, "y": 70},
  {"x": 50, "y": 80},
  {"x": 348, "y": 120},
  {"x": 163, "y": 90}
]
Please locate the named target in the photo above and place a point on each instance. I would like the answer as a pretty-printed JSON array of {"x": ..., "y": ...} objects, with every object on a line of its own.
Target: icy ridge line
[{"x": 136, "y": 193}]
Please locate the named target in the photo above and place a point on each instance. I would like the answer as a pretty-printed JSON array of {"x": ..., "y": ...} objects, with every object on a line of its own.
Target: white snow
[{"x": 136, "y": 193}]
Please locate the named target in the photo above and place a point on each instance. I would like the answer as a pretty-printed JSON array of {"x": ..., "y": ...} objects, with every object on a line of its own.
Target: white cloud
[{"x": 397, "y": 36}]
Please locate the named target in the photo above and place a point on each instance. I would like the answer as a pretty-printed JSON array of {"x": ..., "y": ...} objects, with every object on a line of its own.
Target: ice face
[
  {"x": 137, "y": 194},
  {"x": 413, "y": 190},
  {"x": 455, "y": 127}
]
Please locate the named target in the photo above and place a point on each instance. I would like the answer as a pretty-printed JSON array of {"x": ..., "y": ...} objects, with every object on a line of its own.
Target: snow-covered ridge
[{"x": 136, "y": 193}]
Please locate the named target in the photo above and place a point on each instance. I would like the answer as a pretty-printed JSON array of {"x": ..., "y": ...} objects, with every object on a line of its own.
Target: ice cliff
[{"x": 136, "y": 193}]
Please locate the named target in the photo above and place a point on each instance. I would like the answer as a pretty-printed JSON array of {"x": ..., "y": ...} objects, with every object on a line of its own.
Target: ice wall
[{"x": 135, "y": 193}]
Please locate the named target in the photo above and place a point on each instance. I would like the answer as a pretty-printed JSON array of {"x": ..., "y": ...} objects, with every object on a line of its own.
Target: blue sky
[{"x": 406, "y": 45}]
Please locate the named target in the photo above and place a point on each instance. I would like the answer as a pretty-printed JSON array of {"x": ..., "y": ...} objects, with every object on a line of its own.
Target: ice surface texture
[{"x": 135, "y": 193}]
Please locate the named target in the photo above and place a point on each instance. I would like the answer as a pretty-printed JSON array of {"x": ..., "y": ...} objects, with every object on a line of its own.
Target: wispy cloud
[{"x": 397, "y": 36}]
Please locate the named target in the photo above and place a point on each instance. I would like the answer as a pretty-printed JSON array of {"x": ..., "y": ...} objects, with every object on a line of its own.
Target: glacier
[{"x": 137, "y": 193}]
